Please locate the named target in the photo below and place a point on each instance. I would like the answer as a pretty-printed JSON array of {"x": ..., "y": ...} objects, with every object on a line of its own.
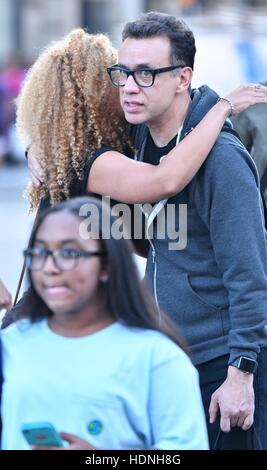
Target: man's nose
[{"x": 131, "y": 85}]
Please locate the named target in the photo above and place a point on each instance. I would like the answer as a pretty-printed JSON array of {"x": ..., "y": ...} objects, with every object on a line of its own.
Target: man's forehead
[{"x": 148, "y": 51}]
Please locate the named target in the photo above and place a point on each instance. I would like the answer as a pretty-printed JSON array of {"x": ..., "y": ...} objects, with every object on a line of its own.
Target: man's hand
[
  {"x": 75, "y": 443},
  {"x": 235, "y": 401},
  {"x": 35, "y": 169},
  {"x": 5, "y": 297}
]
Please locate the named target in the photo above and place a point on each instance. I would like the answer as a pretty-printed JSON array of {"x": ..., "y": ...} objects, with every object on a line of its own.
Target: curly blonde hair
[{"x": 68, "y": 108}]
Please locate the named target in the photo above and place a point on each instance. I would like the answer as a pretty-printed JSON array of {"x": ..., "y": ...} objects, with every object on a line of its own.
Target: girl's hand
[
  {"x": 5, "y": 297},
  {"x": 75, "y": 443}
]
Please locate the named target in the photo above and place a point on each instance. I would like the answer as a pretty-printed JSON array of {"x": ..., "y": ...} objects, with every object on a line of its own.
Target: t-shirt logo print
[{"x": 95, "y": 427}]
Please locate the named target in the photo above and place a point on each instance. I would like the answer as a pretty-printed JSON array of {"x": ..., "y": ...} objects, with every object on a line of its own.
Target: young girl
[{"x": 90, "y": 354}]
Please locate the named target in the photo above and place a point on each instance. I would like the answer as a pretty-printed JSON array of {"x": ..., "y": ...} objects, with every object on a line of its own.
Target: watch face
[{"x": 247, "y": 365}]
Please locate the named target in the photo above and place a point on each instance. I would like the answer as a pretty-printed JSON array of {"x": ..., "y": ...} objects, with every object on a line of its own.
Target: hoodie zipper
[
  {"x": 154, "y": 262},
  {"x": 160, "y": 203},
  {"x": 155, "y": 278}
]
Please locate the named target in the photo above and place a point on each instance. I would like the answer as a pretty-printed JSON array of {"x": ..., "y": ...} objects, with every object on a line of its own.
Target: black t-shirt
[{"x": 153, "y": 153}]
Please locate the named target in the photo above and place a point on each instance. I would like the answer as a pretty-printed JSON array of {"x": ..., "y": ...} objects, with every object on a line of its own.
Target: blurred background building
[
  {"x": 231, "y": 40},
  {"x": 224, "y": 28}
]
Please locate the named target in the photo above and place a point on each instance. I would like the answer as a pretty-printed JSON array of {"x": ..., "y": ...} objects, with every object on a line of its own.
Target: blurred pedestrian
[
  {"x": 251, "y": 126},
  {"x": 191, "y": 7},
  {"x": 3, "y": 120},
  {"x": 11, "y": 78},
  {"x": 88, "y": 353}
]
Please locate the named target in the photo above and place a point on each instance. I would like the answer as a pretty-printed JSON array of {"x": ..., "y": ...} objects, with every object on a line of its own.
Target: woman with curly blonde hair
[{"x": 68, "y": 108}]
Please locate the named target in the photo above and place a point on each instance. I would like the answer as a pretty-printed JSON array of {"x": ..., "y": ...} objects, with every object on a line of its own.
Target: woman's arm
[
  {"x": 134, "y": 182},
  {"x": 129, "y": 181}
]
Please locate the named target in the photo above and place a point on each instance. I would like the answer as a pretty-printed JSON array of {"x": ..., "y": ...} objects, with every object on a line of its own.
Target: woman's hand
[
  {"x": 247, "y": 95},
  {"x": 75, "y": 443},
  {"x": 5, "y": 297}
]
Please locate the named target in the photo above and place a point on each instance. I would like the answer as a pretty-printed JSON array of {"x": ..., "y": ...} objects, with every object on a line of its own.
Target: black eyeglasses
[
  {"x": 64, "y": 259},
  {"x": 143, "y": 77}
]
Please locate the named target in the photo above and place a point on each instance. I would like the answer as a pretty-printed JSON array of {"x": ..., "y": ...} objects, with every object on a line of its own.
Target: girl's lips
[{"x": 56, "y": 290}]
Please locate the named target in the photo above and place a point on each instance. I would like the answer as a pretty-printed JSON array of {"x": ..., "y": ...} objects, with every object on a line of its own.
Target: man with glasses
[
  {"x": 215, "y": 288},
  {"x": 144, "y": 77}
]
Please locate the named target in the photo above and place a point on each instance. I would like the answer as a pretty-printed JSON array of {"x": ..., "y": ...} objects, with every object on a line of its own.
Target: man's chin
[{"x": 134, "y": 118}]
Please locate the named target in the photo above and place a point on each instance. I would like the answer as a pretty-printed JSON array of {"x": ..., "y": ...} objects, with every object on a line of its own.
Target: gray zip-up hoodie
[{"x": 215, "y": 289}]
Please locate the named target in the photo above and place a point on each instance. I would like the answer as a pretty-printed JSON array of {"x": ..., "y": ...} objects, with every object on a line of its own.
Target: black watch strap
[{"x": 246, "y": 364}]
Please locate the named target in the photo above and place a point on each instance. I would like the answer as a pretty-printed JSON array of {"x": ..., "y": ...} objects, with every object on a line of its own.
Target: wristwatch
[{"x": 245, "y": 364}]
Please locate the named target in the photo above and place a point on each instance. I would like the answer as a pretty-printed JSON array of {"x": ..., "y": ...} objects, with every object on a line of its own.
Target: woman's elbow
[{"x": 170, "y": 187}]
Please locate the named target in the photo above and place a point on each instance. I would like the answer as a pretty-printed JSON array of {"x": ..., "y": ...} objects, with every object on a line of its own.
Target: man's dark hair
[{"x": 155, "y": 24}]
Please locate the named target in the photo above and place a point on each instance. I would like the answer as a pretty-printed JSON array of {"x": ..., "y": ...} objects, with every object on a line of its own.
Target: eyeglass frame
[
  {"x": 79, "y": 254},
  {"x": 129, "y": 73}
]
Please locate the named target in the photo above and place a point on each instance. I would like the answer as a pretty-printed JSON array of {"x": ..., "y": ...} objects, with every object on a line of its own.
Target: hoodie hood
[{"x": 203, "y": 99}]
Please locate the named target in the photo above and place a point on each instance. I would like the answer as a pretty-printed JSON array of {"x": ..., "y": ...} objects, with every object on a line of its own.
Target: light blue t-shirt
[{"x": 118, "y": 388}]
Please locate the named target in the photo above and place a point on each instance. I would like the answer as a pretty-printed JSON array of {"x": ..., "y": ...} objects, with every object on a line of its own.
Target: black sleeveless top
[{"x": 78, "y": 186}]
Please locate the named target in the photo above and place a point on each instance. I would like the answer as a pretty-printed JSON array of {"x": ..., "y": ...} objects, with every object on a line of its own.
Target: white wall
[
  {"x": 6, "y": 38},
  {"x": 220, "y": 64},
  {"x": 42, "y": 22}
]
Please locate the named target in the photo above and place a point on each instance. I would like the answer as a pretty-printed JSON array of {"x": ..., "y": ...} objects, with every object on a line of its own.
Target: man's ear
[
  {"x": 104, "y": 277},
  {"x": 184, "y": 79}
]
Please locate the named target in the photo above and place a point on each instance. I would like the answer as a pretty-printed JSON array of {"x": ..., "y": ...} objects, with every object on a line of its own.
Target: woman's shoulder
[
  {"x": 78, "y": 185},
  {"x": 92, "y": 156}
]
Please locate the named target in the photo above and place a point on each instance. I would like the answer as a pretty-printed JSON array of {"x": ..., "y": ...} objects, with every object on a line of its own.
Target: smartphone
[{"x": 41, "y": 434}]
